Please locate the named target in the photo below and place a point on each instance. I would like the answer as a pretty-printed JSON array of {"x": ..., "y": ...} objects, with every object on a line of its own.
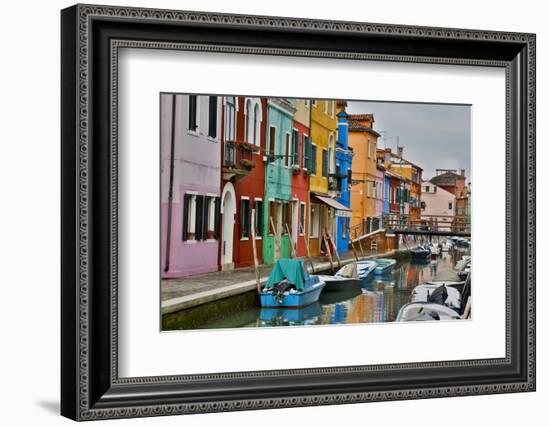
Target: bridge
[{"x": 426, "y": 225}]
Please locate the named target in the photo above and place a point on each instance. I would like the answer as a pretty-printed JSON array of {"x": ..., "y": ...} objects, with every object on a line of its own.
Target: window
[
  {"x": 213, "y": 116},
  {"x": 450, "y": 206},
  {"x": 257, "y": 123},
  {"x": 314, "y": 102},
  {"x": 287, "y": 218},
  {"x": 324, "y": 164},
  {"x": 230, "y": 110},
  {"x": 272, "y": 138},
  {"x": 302, "y": 218},
  {"x": 313, "y": 159},
  {"x": 247, "y": 121},
  {"x": 192, "y": 122},
  {"x": 259, "y": 219},
  {"x": 244, "y": 230},
  {"x": 325, "y": 106},
  {"x": 368, "y": 147},
  {"x": 295, "y": 147},
  {"x": 306, "y": 152},
  {"x": 332, "y": 109},
  {"x": 195, "y": 217},
  {"x": 427, "y": 188},
  {"x": 210, "y": 214},
  {"x": 288, "y": 148},
  {"x": 331, "y": 156}
]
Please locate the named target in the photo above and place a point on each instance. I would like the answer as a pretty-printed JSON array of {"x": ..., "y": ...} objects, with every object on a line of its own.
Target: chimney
[
  {"x": 462, "y": 172},
  {"x": 400, "y": 151}
]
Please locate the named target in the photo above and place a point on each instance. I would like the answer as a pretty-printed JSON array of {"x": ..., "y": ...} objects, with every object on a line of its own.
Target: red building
[
  {"x": 243, "y": 179},
  {"x": 300, "y": 187}
]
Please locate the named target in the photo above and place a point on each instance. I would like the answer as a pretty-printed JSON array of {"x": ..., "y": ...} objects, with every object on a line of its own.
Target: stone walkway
[{"x": 184, "y": 293}]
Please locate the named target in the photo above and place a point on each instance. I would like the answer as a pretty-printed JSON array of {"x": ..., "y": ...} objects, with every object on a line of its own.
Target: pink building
[
  {"x": 190, "y": 184},
  {"x": 438, "y": 206}
]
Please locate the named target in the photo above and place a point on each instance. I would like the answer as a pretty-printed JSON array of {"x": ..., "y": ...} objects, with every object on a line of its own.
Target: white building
[{"x": 438, "y": 206}]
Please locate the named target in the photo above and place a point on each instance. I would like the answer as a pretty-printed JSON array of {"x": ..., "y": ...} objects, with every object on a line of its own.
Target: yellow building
[
  {"x": 324, "y": 125},
  {"x": 364, "y": 140}
]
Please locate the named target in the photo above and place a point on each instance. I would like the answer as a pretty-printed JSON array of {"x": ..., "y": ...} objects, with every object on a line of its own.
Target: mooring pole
[
  {"x": 253, "y": 230},
  {"x": 328, "y": 251}
]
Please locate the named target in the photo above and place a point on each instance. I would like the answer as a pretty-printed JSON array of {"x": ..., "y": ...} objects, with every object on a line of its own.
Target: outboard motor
[
  {"x": 279, "y": 290},
  {"x": 439, "y": 295}
]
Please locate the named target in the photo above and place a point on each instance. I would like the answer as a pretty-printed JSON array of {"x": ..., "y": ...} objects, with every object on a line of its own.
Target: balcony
[{"x": 237, "y": 159}]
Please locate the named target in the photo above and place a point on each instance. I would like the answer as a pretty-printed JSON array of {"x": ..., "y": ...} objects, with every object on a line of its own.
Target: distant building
[
  {"x": 455, "y": 183},
  {"x": 438, "y": 207}
]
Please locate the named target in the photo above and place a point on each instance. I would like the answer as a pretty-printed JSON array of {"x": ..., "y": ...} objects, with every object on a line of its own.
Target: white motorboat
[{"x": 422, "y": 311}]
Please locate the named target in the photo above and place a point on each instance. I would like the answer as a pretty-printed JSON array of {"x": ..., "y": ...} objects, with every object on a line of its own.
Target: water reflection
[{"x": 378, "y": 299}]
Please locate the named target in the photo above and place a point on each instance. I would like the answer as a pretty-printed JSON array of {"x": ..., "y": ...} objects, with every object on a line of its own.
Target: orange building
[{"x": 363, "y": 140}]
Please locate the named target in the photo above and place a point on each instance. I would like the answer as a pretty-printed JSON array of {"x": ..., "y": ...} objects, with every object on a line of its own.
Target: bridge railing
[{"x": 434, "y": 223}]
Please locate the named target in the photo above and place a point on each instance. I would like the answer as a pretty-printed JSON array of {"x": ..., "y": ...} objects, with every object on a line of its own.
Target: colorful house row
[
  {"x": 384, "y": 182},
  {"x": 223, "y": 158}
]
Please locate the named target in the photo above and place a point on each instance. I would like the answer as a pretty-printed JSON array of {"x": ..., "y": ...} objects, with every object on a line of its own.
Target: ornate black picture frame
[{"x": 91, "y": 37}]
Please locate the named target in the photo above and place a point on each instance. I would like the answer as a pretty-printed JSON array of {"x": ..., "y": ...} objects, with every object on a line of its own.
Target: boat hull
[
  {"x": 342, "y": 284},
  {"x": 296, "y": 299}
]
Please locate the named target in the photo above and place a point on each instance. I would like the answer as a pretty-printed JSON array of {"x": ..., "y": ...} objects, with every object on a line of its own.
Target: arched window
[
  {"x": 257, "y": 123},
  {"x": 247, "y": 121}
]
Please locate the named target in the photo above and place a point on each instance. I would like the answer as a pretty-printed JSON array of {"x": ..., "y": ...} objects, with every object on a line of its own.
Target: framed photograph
[{"x": 263, "y": 212}]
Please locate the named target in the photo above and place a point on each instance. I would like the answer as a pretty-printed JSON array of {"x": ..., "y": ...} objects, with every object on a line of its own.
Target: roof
[
  {"x": 446, "y": 179},
  {"x": 362, "y": 117},
  {"x": 354, "y": 126}
]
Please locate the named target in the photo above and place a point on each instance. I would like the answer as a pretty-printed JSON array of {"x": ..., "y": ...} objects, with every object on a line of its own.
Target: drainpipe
[{"x": 170, "y": 186}]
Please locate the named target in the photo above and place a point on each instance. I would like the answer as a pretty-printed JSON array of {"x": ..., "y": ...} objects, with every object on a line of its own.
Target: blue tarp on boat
[{"x": 291, "y": 269}]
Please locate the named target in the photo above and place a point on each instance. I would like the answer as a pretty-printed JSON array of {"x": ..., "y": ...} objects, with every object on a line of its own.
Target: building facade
[
  {"x": 438, "y": 207},
  {"x": 455, "y": 183},
  {"x": 190, "y": 184},
  {"x": 363, "y": 140},
  {"x": 278, "y": 193},
  {"x": 243, "y": 180},
  {"x": 300, "y": 143},
  {"x": 342, "y": 179},
  {"x": 323, "y": 148}
]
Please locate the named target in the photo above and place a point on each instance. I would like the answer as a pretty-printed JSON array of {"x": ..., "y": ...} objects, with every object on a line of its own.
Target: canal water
[{"x": 378, "y": 300}]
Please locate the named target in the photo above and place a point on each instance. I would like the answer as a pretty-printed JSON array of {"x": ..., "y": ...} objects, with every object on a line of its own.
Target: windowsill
[
  {"x": 193, "y": 132},
  {"x": 244, "y": 239},
  {"x": 211, "y": 139},
  {"x": 258, "y": 238},
  {"x": 211, "y": 240},
  {"x": 190, "y": 242}
]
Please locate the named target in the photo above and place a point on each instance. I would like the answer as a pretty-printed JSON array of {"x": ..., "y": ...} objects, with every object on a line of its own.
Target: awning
[{"x": 341, "y": 210}]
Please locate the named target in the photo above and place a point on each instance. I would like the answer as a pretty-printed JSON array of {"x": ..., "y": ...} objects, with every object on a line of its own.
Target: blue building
[{"x": 344, "y": 156}]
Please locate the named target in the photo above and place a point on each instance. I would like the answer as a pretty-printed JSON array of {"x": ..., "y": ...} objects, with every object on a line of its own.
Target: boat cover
[
  {"x": 348, "y": 271},
  {"x": 447, "y": 275},
  {"x": 291, "y": 269}
]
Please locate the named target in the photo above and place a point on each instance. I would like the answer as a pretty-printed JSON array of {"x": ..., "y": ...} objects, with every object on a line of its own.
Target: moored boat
[
  {"x": 365, "y": 268},
  {"x": 346, "y": 278},
  {"x": 290, "y": 286},
  {"x": 449, "y": 278},
  {"x": 441, "y": 294},
  {"x": 423, "y": 311},
  {"x": 420, "y": 252},
  {"x": 384, "y": 266}
]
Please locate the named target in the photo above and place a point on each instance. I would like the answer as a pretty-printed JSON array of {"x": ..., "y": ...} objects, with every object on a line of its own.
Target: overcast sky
[{"x": 433, "y": 136}]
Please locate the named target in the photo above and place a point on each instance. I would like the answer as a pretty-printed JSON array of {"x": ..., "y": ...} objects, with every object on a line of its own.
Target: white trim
[
  {"x": 245, "y": 197},
  {"x": 191, "y": 192}
]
